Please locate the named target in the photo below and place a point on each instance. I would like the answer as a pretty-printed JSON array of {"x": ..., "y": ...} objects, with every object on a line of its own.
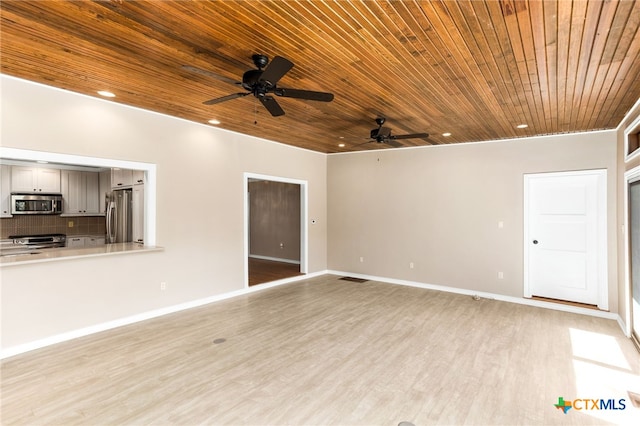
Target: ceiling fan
[
  {"x": 262, "y": 82},
  {"x": 383, "y": 135}
]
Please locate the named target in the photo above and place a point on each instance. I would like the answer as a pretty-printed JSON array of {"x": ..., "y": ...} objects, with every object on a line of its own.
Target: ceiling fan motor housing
[
  {"x": 380, "y": 133},
  {"x": 260, "y": 61},
  {"x": 251, "y": 80}
]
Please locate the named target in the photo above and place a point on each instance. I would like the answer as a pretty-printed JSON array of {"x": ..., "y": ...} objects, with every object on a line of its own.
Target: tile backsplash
[{"x": 52, "y": 224}]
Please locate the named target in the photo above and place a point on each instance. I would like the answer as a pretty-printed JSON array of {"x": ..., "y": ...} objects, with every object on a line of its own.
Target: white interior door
[{"x": 565, "y": 236}]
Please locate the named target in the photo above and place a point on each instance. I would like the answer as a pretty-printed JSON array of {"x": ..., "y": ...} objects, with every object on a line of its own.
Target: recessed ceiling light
[
  {"x": 446, "y": 134},
  {"x": 214, "y": 121},
  {"x": 106, "y": 94},
  {"x": 341, "y": 145},
  {"x": 522, "y": 126}
]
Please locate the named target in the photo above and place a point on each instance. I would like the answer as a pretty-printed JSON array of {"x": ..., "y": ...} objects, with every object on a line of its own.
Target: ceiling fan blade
[
  {"x": 431, "y": 141},
  {"x": 271, "y": 105},
  {"x": 225, "y": 98},
  {"x": 412, "y": 136},
  {"x": 210, "y": 74},
  {"x": 393, "y": 143},
  {"x": 380, "y": 133},
  {"x": 360, "y": 144},
  {"x": 276, "y": 69},
  {"x": 304, "y": 94}
]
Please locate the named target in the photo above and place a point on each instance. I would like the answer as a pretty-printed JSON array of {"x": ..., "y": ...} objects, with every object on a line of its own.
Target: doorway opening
[{"x": 275, "y": 228}]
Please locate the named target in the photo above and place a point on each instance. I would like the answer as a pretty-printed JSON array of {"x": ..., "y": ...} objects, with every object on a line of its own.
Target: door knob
[{"x": 535, "y": 241}]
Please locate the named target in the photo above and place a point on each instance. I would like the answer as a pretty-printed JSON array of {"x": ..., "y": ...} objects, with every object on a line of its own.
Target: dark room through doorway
[{"x": 274, "y": 230}]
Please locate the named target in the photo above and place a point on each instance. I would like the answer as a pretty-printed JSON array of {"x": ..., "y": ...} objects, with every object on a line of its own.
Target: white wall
[
  {"x": 439, "y": 207},
  {"x": 199, "y": 210}
]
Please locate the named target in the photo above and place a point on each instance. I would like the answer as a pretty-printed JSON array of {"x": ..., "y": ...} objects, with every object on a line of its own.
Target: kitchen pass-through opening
[{"x": 145, "y": 224}]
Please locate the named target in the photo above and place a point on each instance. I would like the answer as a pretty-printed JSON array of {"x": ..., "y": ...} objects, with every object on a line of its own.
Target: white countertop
[{"x": 65, "y": 253}]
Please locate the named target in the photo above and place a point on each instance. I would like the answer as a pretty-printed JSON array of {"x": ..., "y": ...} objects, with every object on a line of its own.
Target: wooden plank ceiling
[{"x": 475, "y": 69}]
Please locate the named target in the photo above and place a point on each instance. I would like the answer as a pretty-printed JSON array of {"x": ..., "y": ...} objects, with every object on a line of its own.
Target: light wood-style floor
[{"x": 330, "y": 352}]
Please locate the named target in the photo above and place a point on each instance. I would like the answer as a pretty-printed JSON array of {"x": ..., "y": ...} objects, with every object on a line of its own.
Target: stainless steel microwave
[{"x": 36, "y": 203}]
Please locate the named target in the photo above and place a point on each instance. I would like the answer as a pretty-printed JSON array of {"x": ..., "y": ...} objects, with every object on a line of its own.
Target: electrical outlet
[
  {"x": 361, "y": 259},
  {"x": 411, "y": 265},
  {"x": 500, "y": 275},
  {"x": 70, "y": 224},
  {"x": 163, "y": 286}
]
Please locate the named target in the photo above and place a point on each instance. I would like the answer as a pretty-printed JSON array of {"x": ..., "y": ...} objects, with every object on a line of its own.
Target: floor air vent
[{"x": 353, "y": 279}]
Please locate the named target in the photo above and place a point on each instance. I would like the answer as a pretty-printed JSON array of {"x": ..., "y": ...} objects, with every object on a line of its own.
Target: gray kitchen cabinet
[
  {"x": 75, "y": 241},
  {"x": 5, "y": 191},
  {"x": 94, "y": 241},
  {"x": 138, "y": 177},
  {"x": 35, "y": 179},
  {"x": 121, "y": 178},
  {"x": 93, "y": 192},
  {"x": 81, "y": 192},
  {"x": 137, "y": 217},
  {"x": 85, "y": 241},
  {"x": 104, "y": 188}
]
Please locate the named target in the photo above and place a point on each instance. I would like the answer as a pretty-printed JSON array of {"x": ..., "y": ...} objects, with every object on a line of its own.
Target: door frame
[
  {"x": 304, "y": 228},
  {"x": 603, "y": 264},
  {"x": 630, "y": 176}
]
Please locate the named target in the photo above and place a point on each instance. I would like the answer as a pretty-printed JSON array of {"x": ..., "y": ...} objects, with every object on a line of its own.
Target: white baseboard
[
  {"x": 59, "y": 338},
  {"x": 275, "y": 259},
  {"x": 626, "y": 330},
  {"x": 97, "y": 328},
  {"x": 491, "y": 296}
]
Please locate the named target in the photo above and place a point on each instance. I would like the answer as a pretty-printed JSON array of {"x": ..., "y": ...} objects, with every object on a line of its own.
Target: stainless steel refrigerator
[{"x": 119, "y": 216}]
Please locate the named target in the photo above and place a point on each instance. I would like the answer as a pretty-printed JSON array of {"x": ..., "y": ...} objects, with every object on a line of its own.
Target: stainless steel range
[{"x": 30, "y": 244}]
